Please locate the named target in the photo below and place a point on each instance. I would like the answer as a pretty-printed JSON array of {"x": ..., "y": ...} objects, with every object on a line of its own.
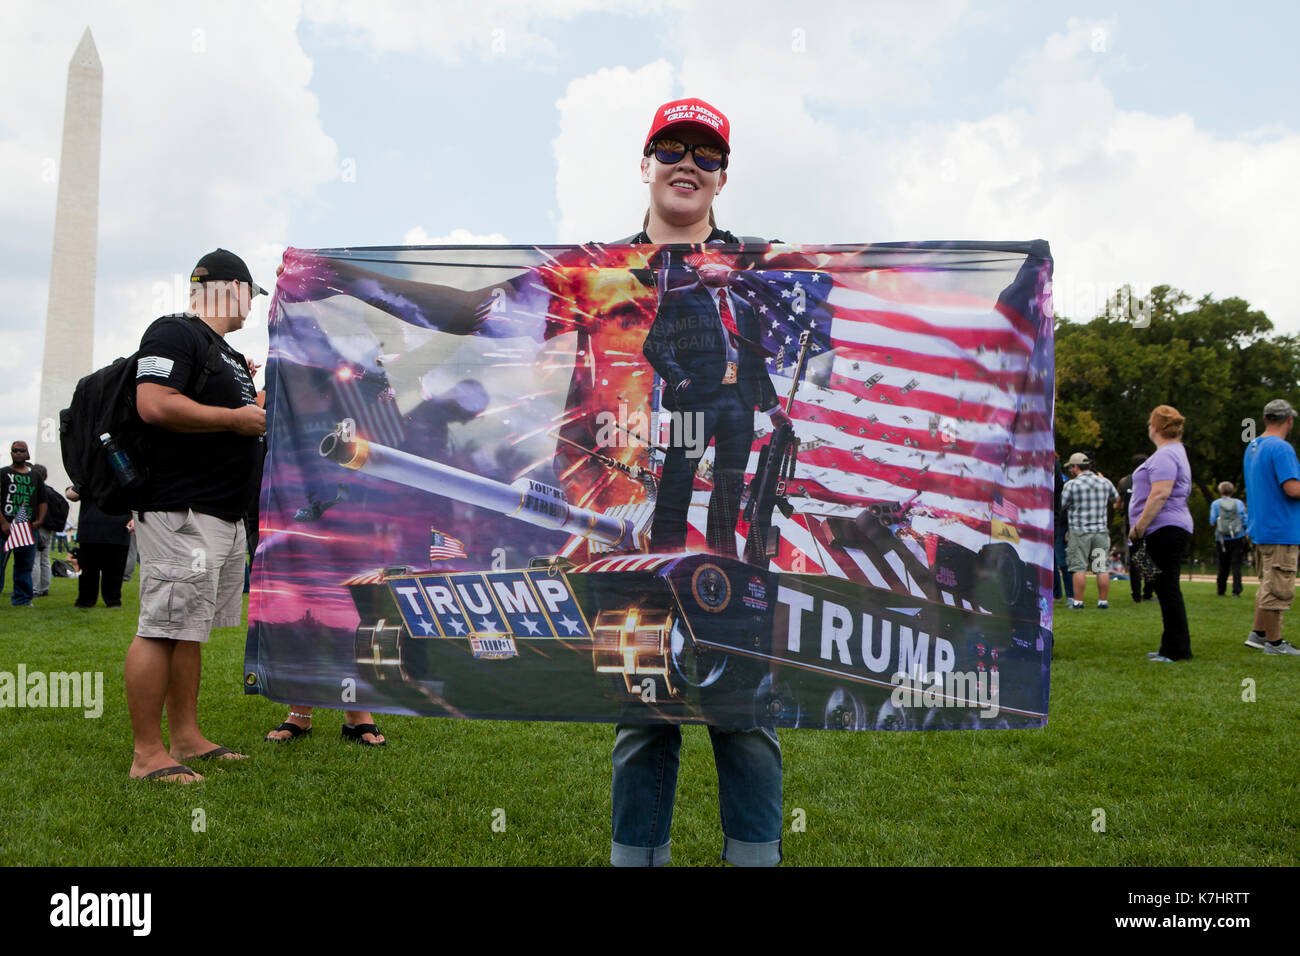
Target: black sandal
[
  {"x": 294, "y": 733},
  {"x": 357, "y": 734},
  {"x": 175, "y": 770}
]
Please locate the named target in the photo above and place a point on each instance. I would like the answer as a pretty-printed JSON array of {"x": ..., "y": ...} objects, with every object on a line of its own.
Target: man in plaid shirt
[{"x": 1086, "y": 499}]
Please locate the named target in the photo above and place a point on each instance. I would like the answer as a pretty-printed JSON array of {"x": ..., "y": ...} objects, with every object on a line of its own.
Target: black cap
[{"x": 223, "y": 265}]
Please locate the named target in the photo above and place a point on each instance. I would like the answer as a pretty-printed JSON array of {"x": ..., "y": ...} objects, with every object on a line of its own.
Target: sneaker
[
  {"x": 1152, "y": 655},
  {"x": 1160, "y": 659},
  {"x": 1255, "y": 641},
  {"x": 1103, "y": 604},
  {"x": 1283, "y": 648},
  {"x": 1078, "y": 605}
]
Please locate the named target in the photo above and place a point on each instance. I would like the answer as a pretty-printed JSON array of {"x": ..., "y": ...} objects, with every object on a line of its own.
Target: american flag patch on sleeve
[{"x": 153, "y": 365}]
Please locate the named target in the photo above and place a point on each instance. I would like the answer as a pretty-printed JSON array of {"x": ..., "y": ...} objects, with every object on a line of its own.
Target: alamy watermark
[
  {"x": 966, "y": 689},
  {"x": 80, "y": 690},
  {"x": 1084, "y": 299},
  {"x": 127, "y": 910},
  {"x": 631, "y": 428},
  {"x": 181, "y": 294}
]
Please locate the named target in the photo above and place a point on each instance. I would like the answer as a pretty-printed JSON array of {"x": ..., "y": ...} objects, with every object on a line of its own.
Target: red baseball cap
[{"x": 681, "y": 114}]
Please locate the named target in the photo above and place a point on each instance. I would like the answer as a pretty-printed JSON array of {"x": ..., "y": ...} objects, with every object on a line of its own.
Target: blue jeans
[
  {"x": 1062, "y": 578},
  {"x": 24, "y": 559},
  {"x": 645, "y": 785}
]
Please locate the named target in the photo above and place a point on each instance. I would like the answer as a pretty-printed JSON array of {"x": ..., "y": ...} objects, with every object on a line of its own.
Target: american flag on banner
[
  {"x": 914, "y": 395},
  {"x": 20, "y": 532},
  {"x": 444, "y": 546},
  {"x": 1004, "y": 509},
  {"x": 369, "y": 401}
]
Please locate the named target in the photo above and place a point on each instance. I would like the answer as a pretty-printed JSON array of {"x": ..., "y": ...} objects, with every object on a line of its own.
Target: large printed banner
[{"x": 801, "y": 486}]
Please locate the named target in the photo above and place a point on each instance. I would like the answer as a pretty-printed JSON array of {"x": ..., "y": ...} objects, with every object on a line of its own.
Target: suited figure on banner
[{"x": 705, "y": 343}]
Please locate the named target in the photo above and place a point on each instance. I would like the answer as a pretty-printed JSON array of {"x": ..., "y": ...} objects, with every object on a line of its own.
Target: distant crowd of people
[{"x": 1157, "y": 525}]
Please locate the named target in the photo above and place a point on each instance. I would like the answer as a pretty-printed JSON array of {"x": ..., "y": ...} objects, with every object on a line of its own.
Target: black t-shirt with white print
[
  {"x": 210, "y": 472},
  {"x": 21, "y": 495}
]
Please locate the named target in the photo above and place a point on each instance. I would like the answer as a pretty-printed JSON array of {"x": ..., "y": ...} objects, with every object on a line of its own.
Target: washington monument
[{"x": 70, "y": 316}]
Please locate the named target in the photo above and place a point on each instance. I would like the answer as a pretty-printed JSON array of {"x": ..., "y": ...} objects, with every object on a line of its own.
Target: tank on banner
[{"x": 775, "y": 485}]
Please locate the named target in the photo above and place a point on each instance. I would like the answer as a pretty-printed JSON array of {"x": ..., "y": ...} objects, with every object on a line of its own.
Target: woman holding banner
[{"x": 684, "y": 163}]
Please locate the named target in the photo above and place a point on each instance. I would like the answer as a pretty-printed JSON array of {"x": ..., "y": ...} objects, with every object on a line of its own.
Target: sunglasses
[{"x": 671, "y": 151}]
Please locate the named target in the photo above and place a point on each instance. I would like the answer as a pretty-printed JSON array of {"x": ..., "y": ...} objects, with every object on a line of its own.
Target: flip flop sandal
[
  {"x": 216, "y": 753},
  {"x": 173, "y": 771},
  {"x": 294, "y": 733},
  {"x": 357, "y": 734}
]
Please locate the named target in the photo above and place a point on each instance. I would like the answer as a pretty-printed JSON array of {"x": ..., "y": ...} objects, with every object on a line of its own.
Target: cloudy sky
[{"x": 1160, "y": 144}]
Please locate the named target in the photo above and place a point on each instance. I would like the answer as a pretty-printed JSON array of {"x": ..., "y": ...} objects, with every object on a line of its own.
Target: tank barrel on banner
[{"x": 531, "y": 501}]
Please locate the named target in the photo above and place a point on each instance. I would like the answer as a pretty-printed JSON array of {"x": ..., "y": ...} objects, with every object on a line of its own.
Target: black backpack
[
  {"x": 104, "y": 402},
  {"x": 56, "y": 511}
]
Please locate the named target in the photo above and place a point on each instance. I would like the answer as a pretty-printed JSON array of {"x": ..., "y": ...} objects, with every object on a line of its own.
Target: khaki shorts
[
  {"x": 1081, "y": 551},
  {"x": 1276, "y": 566},
  {"x": 191, "y": 574}
]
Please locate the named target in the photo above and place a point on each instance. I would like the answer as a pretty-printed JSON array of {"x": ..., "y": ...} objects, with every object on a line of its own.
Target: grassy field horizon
[{"x": 1183, "y": 770}]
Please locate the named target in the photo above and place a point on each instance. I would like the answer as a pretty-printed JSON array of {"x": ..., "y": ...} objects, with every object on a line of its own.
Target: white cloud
[
  {"x": 1123, "y": 196},
  {"x": 792, "y": 175},
  {"x": 211, "y": 137},
  {"x": 416, "y": 236},
  {"x": 487, "y": 29},
  {"x": 603, "y": 122}
]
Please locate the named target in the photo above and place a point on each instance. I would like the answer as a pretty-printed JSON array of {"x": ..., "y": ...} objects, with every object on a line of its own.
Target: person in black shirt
[
  {"x": 56, "y": 508},
  {"x": 22, "y": 498},
  {"x": 1063, "y": 581},
  {"x": 1142, "y": 588},
  {"x": 102, "y": 545},
  {"x": 205, "y": 421}
]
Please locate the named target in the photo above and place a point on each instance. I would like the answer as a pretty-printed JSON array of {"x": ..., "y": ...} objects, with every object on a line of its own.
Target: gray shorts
[
  {"x": 191, "y": 574},
  {"x": 1081, "y": 552}
]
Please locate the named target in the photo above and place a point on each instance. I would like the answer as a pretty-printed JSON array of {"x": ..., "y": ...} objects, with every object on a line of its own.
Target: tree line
[{"x": 1217, "y": 361}]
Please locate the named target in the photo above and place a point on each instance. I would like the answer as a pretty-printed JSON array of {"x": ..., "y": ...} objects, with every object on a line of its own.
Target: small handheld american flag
[
  {"x": 20, "y": 532},
  {"x": 444, "y": 546}
]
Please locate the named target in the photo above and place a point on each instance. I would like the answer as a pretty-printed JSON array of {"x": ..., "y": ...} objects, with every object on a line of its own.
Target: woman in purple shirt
[{"x": 1158, "y": 515}]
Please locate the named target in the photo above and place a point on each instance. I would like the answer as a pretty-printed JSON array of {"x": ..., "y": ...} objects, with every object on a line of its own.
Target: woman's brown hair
[{"x": 1167, "y": 421}]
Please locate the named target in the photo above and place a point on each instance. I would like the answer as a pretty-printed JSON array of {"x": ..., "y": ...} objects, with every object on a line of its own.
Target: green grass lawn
[{"x": 1185, "y": 771}]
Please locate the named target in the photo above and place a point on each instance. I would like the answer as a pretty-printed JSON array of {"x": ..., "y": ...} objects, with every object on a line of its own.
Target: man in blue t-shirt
[{"x": 1273, "y": 524}]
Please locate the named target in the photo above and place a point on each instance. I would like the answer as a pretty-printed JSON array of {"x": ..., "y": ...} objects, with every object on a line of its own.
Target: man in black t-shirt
[
  {"x": 22, "y": 499},
  {"x": 205, "y": 421}
]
